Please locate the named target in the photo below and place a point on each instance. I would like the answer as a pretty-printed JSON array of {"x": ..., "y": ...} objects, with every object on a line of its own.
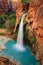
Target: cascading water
[{"x": 19, "y": 44}]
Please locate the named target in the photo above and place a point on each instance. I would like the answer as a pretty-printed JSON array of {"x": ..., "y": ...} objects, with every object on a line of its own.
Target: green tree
[
  {"x": 10, "y": 24},
  {"x": 3, "y": 18},
  {"x": 25, "y": 1}
]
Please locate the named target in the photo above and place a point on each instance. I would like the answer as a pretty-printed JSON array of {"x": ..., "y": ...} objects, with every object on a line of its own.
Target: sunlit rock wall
[
  {"x": 15, "y": 4},
  {"x": 35, "y": 14},
  {"x": 16, "y": 0}
]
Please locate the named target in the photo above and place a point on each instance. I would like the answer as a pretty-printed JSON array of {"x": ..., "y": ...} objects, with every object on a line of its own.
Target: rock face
[
  {"x": 16, "y": 1},
  {"x": 35, "y": 13},
  {"x": 3, "y": 6},
  {"x": 19, "y": 8},
  {"x": 6, "y": 61}
]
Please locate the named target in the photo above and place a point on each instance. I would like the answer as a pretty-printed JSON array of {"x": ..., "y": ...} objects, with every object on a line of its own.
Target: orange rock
[
  {"x": 36, "y": 16},
  {"x": 35, "y": 13},
  {"x": 20, "y": 8}
]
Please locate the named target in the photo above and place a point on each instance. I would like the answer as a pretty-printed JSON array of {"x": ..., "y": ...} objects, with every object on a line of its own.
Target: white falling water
[{"x": 19, "y": 45}]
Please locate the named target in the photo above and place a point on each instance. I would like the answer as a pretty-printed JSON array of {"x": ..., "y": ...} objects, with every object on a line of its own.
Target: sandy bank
[{"x": 3, "y": 40}]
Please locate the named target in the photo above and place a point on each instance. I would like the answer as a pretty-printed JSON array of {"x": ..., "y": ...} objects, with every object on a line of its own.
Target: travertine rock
[
  {"x": 19, "y": 8},
  {"x": 35, "y": 13}
]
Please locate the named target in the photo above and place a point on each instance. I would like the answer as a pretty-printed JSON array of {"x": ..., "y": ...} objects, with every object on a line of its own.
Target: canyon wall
[
  {"x": 35, "y": 15},
  {"x": 3, "y": 6},
  {"x": 6, "y": 6}
]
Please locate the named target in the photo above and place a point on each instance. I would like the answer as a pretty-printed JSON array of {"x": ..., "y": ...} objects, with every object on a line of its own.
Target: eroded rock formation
[
  {"x": 19, "y": 8},
  {"x": 35, "y": 15},
  {"x": 6, "y": 61},
  {"x": 3, "y": 6}
]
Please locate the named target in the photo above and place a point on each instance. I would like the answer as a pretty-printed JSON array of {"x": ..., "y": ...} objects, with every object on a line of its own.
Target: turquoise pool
[{"x": 23, "y": 57}]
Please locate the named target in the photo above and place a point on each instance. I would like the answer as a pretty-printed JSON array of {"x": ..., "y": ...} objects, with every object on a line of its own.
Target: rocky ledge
[{"x": 6, "y": 61}]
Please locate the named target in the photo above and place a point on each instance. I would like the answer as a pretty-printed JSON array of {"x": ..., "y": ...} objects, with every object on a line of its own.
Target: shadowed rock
[
  {"x": 35, "y": 15},
  {"x": 6, "y": 61}
]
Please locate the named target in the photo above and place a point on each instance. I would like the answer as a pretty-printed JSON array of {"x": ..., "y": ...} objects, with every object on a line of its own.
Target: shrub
[
  {"x": 25, "y": 1},
  {"x": 10, "y": 23}
]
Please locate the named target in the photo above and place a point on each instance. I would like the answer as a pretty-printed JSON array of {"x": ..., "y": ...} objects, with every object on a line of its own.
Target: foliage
[
  {"x": 30, "y": 39},
  {"x": 26, "y": 1},
  {"x": 26, "y": 40},
  {"x": 1, "y": 23},
  {"x": 5, "y": 17},
  {"x": 12, "y": 16},
  {"x": 10, "y": 24}
]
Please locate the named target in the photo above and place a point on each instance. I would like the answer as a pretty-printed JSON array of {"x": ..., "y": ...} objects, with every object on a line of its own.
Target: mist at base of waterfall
[{"x": 18, "y": 47}]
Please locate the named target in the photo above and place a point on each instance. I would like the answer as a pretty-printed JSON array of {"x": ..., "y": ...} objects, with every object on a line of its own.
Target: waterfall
[{"x": 19, "y": 44}]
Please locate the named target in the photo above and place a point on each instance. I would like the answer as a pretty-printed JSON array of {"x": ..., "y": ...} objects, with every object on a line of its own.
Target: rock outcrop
[
  {"x": 35, "y": 15},
  {"x": 6, "y": 61},
  {"x": 19, "y": 8},
  {"x": 3, "y": 6}
]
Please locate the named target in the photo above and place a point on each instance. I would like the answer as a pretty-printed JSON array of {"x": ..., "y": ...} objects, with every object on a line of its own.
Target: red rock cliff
[
  {"x": 3, "y": 6},
  {"x": 35, "y": 13}
]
